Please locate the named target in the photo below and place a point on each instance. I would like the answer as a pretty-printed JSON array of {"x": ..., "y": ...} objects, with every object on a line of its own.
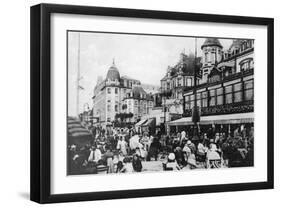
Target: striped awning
[
  {"x": 149, "y": 122},
  {"x": 75, "y": 129},
  {"x": 216, "y": 119},
  {"x": 141, "y": 122}
]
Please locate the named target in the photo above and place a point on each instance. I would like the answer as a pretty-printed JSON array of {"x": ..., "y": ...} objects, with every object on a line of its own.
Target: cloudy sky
[{"x": 143, "y": 57}]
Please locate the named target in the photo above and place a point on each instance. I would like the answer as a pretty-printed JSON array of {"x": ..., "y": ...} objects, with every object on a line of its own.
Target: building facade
[
  {"x": 225, "y": 94},
  {"x": 138, "y": 102},
  {"x": 176, "y": 80},
  {"x": 119, "y": 94}
]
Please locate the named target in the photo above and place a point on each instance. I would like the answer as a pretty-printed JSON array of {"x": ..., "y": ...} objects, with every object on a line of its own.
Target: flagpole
[{"x": 78, "y": 77}]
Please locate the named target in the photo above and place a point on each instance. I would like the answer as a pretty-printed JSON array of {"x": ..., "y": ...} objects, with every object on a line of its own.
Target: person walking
[
  {"x": 108, "y": 156},
  {"x": 122, "y": 146}
]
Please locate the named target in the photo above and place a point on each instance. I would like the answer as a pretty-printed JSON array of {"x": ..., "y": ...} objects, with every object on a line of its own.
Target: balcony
[{"x": 241, "y": 107}]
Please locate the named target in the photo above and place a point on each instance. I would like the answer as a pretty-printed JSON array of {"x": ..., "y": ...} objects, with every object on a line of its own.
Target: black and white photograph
[
  {"x": 134, "y": 103},
  {"x": 140, "y": 103}
]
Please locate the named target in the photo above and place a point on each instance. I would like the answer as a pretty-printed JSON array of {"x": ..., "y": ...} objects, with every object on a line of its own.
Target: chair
[
  {"x": 215, "y": 163},
  {"x": 102, "y": 169},
  {"x": 165, "y": 168}
]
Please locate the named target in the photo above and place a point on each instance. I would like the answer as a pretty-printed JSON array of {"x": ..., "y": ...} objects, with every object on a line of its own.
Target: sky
[{"x": 142, "y": 57}]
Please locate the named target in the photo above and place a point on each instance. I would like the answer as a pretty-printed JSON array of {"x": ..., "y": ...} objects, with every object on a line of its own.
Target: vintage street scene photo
[{"x": 139, "y": 103}]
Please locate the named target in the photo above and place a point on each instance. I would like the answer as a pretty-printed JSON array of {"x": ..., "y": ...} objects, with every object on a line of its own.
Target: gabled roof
[{"x": 128, "y": 78}]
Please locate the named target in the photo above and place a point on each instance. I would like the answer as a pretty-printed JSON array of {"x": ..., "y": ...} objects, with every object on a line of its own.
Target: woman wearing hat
[
  {"x": 213, "y": 157},
  {"x": 172, "y": 163},
  {"x": 190, "y": 154}
]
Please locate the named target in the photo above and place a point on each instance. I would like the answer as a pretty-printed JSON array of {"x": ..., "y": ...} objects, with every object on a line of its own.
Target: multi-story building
[
  {"x": 138, "y": 102},
  {"x": 176, "y": 80},
  {"x": 225, "y": 95},
  {"x": 114, "y": 92},
  {"x": 109, "y": 94}
]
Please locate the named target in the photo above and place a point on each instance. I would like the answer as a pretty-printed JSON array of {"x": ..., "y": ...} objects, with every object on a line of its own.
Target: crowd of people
[{"x": 124, "y": 151}]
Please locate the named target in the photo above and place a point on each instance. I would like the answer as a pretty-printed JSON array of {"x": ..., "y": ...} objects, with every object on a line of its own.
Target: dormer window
[{"x": 246, "y": 64}]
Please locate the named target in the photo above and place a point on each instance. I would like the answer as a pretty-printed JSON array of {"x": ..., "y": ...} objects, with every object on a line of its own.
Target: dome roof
[
  {"x": 113, "y": 73},
  {"x": 211, "y": 42}
]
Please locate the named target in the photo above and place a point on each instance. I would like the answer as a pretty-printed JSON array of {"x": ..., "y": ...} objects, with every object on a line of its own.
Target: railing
[{"x": 241, "y": 107}]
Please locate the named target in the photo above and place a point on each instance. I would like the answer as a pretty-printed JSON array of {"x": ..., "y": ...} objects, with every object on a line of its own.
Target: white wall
[{"x": 14, "y": 85}]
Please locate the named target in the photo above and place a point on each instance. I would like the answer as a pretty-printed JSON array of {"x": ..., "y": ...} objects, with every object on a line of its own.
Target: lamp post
[
  {"x": 164, "y": 95},
  {"x": 195, "y": 112}
]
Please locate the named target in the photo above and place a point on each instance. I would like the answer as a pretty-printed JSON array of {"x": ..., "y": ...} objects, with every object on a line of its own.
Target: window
[
  {"x": 219, "y": 96},
  {"x": 249, "y": 90},
  {"x": 191, "y": 101},
  {"x": 168, "y": 85},
  {"x": 252, "y": 64},
  {"x": 187, "y": 104},
  {"x": 189, "y": 81},
  {"x": 144, "y": 107},
  {"x": 116, "y": 108},
  {"x": 109, "y": 90},
  {"x": 212, "y": 97},
  {"x": 198, "y": 99},
  {"x": 228, "y": 94},
  {"x": 108, "y": 119},
  {"x": 246, "y": 64},
  {"x": 116, "y": 90},
  {"x": 206, "y": 57},
  {"x": 237, "y": 92},
  {"x": 213, "y": 57},
  {"x": 179, "y": 82},
  {"x": 204, "y": 99},
  {"x": 108, "y": 108}
]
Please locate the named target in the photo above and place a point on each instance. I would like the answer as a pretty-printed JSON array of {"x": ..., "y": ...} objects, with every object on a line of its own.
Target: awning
[
  {"x": 240, "y": 118},
  {"x": 75, "y": 129},
  {"x": 141, "y": 122},
  {"x": 149, "y": 122},
  {"x": 181, "y": 122}
]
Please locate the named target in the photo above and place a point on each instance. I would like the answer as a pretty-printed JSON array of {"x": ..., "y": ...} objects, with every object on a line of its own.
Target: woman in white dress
[{"x": 122, "y": 146}]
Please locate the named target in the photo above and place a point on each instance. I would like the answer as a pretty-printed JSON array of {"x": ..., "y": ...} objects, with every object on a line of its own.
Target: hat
[
  {"x": 178, "y": 149},
  {"x": 213, "y": 147},
  {"x": 188, "y": 142},
  {"x": 171, "y": 156}
]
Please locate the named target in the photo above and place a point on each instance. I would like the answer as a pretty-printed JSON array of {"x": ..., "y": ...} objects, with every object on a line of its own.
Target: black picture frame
[{"x": 41, "y": 102}]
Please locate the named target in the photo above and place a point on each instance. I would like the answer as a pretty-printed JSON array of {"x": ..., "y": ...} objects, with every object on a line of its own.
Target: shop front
[{"x": 226, "y": 124}]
